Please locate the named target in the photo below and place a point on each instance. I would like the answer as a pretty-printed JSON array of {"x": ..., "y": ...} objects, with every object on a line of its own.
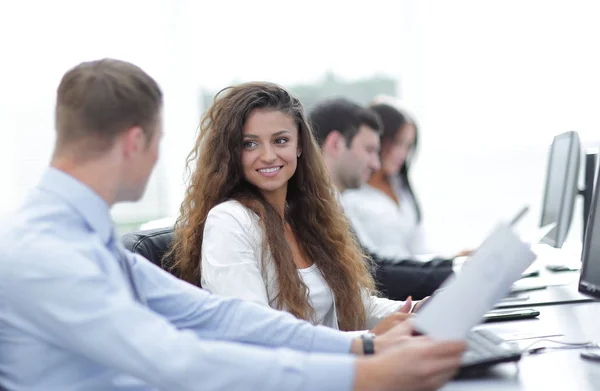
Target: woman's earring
[{"x": 299, "y": 153}]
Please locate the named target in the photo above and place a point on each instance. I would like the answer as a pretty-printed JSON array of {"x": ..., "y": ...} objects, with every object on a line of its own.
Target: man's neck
[
  {"x": 334, "y": 178},
  {"x": 338, "y": 186},
  {"x": 95, "y": 174}
]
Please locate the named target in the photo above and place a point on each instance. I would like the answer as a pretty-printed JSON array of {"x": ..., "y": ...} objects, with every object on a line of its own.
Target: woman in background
[
  {"x": 386, "y": 213},
  {"x": 260, "y": 220}
]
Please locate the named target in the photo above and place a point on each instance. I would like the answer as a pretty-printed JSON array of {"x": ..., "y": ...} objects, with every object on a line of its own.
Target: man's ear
[
  {"x": 134, "y": 141},
  {"x": 334, "y": 144}
]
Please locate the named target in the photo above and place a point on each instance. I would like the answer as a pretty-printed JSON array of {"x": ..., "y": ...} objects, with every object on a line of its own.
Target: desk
[
  {"x": 551, "y": 370},
  {"x": 551, "y": 296}
]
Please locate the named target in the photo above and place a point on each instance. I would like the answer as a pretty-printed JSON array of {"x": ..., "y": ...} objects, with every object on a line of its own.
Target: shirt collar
[{"x": 94, "y": 210}]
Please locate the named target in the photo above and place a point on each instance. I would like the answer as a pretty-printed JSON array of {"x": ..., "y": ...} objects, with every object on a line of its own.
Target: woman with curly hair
[{"x": 260, "y": 220}]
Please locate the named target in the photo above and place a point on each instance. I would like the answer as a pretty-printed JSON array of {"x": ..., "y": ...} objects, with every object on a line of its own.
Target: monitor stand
[
  {"x": 563, "y": 268},
  {"x": 567, "y": 258}
]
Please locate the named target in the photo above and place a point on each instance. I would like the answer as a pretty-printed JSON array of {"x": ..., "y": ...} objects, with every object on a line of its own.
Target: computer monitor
[
  {"x": 589, "y": 280},
  {"x": 591, "y": 160},
  {"x": 561, "y": 186}
]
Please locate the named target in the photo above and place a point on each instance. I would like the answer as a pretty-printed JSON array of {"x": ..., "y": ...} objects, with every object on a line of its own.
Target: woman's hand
[
  {"x": 392, "y": 320},
  {"x": 464, "y": 253},
  {"x": 420, "y": 304},
  {"x": 389, "y": 322}
]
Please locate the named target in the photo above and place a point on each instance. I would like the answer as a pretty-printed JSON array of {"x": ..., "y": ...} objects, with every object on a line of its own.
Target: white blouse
[
  {"x": 384, "y": 227},
  {"x": 231, "y": 266},
  {"x": 320, "y": 295}
]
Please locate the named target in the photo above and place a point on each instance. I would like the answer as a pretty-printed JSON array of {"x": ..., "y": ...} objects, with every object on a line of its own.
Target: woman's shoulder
[{"x": 233, "y": 209}]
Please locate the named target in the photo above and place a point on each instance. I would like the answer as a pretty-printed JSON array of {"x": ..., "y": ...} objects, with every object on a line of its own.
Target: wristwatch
[{"x": 368, "y": 340}]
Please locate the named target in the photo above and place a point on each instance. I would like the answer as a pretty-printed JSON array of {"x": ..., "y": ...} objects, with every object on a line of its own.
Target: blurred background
[{"x": 490, "y": 84}]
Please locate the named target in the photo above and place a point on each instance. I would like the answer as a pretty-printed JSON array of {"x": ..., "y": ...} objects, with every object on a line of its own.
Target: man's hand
[
  {"x": 419, "y": 364},
  {"x": 396, "y": 335}
]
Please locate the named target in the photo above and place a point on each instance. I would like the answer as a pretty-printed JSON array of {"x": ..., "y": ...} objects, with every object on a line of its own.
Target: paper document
[{"x": 483, "y": 280}]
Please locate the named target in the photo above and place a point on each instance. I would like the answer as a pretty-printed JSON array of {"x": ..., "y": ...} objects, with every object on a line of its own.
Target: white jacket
[{"x": 231, "y": 263}]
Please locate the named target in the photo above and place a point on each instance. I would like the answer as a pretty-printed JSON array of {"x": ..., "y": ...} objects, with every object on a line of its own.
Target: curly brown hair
[{"x": 313, "y": 212}]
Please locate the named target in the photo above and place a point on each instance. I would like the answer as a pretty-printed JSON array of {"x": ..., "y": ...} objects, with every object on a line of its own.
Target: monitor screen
[
  {"x": 589, "y": 282},
  {"x": 561, "y": 186}
]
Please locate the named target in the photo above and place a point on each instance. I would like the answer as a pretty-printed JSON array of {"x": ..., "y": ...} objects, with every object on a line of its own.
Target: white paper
[{"x": 484, "y": 279}]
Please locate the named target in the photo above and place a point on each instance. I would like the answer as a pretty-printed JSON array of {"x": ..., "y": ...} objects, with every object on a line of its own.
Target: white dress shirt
[
  {"x": 79, "y": 312},
  {"x": 384, "y": 227},
  {"x": 232, "y": 263}
]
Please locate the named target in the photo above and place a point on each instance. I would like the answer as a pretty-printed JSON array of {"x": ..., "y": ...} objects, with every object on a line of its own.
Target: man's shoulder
[
  {"x": 365, "y": 198},
  {"x": 30, "y": 238},
  {"x": 359, "y": 193}
]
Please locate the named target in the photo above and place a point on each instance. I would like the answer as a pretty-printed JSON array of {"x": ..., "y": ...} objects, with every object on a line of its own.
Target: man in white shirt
[{"x": 349, "y": 136}]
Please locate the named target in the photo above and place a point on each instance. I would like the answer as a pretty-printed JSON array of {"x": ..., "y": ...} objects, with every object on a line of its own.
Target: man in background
[{"x": 349, "y": 136}]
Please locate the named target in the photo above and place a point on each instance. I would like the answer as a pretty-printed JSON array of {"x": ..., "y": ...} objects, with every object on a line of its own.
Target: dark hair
[
  {"x": 312, "y": 209},
  {"x": 394, "y": 121},
  {"x": 344, "y": 116},
  {"x": 97, "y": 100}
]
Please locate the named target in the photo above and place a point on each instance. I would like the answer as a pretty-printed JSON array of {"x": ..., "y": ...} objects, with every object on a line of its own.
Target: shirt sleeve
[
  {"x": 378, "y": 308},
  {"x": 231, "y": 255},
  {"x": 212, "y": 316},
  {"x": 355, "y": 217},
  {"x": 67, "y": 299}
]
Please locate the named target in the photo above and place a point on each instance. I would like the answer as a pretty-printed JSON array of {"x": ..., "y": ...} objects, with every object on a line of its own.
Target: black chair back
[{"x": 152, "y": 244}]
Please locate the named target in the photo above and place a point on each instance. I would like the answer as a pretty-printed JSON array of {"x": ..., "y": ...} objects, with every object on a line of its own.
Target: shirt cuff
[
  {"x": 328, "y": 340},
  {"x": 358, "y": 333}
]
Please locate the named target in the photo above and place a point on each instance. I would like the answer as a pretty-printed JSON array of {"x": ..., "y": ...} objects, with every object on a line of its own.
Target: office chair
[{"x": 152, "y": 244}]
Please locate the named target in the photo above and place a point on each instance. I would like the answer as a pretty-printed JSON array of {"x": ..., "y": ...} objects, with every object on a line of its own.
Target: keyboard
[{"x": 485, "y": 348}]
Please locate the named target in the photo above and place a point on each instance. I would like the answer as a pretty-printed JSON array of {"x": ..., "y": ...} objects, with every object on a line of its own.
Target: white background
[{"x": 489, "y": 82}]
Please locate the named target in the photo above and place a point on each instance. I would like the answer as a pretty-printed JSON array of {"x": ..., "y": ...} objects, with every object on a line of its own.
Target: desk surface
[
  {"x": 562, "y": 287},
  {"x": 551, "y": 370},
  {"x": 553, "y": 295}
]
